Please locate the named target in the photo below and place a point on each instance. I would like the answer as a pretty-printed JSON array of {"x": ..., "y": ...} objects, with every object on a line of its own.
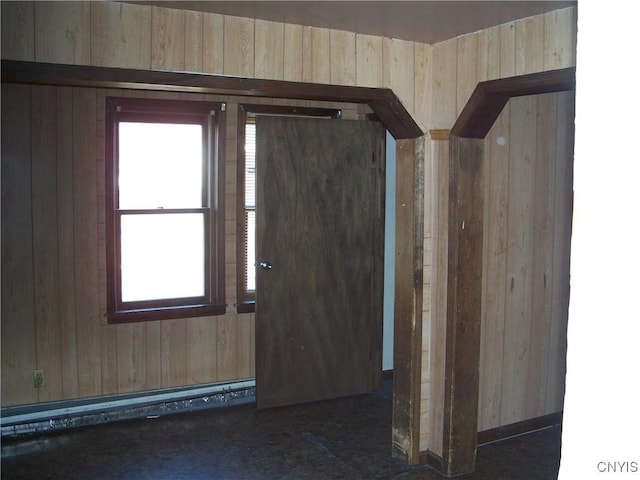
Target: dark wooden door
[{"x": 320, "y": 235}]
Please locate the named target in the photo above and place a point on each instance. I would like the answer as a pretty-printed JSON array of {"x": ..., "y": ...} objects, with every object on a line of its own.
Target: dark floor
[{"x": 340, "y": 439}]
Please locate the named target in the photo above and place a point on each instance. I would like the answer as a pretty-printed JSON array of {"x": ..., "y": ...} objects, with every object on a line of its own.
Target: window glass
[
  {"x": 162, "y": 256},
  {"x": 160, "y": 165}
]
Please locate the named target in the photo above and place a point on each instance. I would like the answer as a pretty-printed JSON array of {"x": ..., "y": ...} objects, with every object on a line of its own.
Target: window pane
[
  {"x": 250, "y": 254},
  {"x": 162, "y": 256},
  {"x": 160, "y": 165},
  {"x": 250, "y": 166}
]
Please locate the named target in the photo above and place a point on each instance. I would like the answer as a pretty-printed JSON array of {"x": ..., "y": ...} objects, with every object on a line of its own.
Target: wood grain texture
[
  {"x": 495, "y": 253},
  {"x": 561, "y": 250},
  {"x": 293, "y": 52},
  {"x": 407, "y": 351},
  {"x": 167, "y": 39},
  {"x": 316, "y": 308},
  {"x": 368, "y": 60},
  {"x": 18, "y": 31},
  {"x": 560, "y": 36},
  {"x": 213, "y": 43},
  {"x": 193, "y": 41},
  {"x": 62, "y": 32},
  {"x": 542, "y": 262},
  {"x": 342, "y": 47},
  {"x": 444, "y": 84},
  {"x": 423, "y": 64},
  {"x": 18, "y": 315},
  {"x": 66, "y": 242},
  {"x": 320, "y": 55},
  {"x": 239, "y": 41},
  {"x": 86, "y": 243},
  {"x": 120, "y": 35},
  {"x": 529, "y": 45},
  {"x": 464, "y": 304},
  {"x": 45, "y": 240},
  {"x": 269, "y": 50},
  {"x": 399, "y": 62},
  {"x": 467, "y": 70}
]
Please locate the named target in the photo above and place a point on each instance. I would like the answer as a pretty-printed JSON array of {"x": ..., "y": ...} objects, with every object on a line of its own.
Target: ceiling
[{"x": 421, "y": 21}]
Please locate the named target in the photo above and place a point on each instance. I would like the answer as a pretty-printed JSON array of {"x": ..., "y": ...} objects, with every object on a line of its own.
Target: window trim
[
  {"x": 213, "y": 301},
  {"x": 245, "y": 300}
]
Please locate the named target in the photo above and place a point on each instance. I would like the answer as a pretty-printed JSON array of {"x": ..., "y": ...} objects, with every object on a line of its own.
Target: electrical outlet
[{"x": 38, "y": 378}]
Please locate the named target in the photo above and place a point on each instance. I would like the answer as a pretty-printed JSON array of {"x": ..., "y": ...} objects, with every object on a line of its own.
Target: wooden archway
[{"x": 464, "y": 288}]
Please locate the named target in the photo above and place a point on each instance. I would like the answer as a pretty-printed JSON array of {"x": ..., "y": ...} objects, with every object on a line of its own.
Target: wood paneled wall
[
  {"x": 54, "y": 264},
  {"x": 433, "y": 82},
  {"x": 53, "y": 318},
  {"x": 527, "y": 223}
]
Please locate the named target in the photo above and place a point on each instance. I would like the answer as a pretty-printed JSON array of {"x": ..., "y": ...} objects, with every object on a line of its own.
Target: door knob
[{"x": 265, "y": 265}]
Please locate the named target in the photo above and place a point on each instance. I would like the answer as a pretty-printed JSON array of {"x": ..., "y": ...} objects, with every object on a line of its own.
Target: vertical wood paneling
[
  {"x": 439, "y": 294},
  {"x": 62, "y": 32},
  {"x": 496, "y": 216},
  {"x": 307, "y": 55},
  {"x": 167, "y": 39},
  {"x": 18, "y": 326},
  {"x": 342, "y": 57},
  {"x": 269, "y": 46},
  {"x": 131, "y": 349},
  {"x": 488, "y": 59},
  {"x": 201, "y": 350},
  {"x": 466, "y": 70},
  {"x": 45, "y": 240},
  {"x": 154, "y": 356},
  {"x": 239, "y": 35},
  {"x": 213, "y": 45},
  {"x": 292, "y": 52},
  {"x": 174, "y": 357},
  {"x": 560, "y": 35},
  {"x": 401, "y": 57},
  {"x": 17, "y": 31},
  {"x": 507, "y": 50},
  {"x": 561, "y": 250},
  {"x": 109, "y": 357},
  {"x": 226, "y": 347},
  {"x": 244, "y": 365},
  {"x": 320, "y": 55},
  {"x": 66, "y": 242},
  {"x": 423, "y": 86},
  {"x": 444, "y": 83},
  {"x": 193, "y": 41},
  {"x": 120, "y": 35},
  {"x": 368, "y": 60},
  {"x": 522, "y": 156},
  {"x": 496, "y": 181},
  {"x": 529, "y": 45},
  {"x": 86, "y": 243}
]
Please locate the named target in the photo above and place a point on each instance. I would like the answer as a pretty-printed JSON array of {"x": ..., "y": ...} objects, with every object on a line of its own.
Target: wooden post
[
  {"x": 407, "y": 348},
  {"x": 464, "y": 299}
]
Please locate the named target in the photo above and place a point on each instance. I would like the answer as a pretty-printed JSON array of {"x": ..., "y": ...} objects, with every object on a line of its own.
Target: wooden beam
[
  {"x": 407, "y": 348},
  {"x": 384, "y": 103},
  {"x": 489, "y": 98},
  {"x": 464, "y": 300}
]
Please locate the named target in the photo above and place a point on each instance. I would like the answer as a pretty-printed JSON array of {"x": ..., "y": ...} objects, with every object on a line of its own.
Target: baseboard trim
[
  {"x": 519, "y": 428},
  {"x": 52, "y": 416},
  {"x": 427, "y": 457}
]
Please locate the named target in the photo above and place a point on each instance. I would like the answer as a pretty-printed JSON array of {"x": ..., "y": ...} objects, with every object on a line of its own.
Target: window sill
[
  {"x": 168, "y": 313},
  {"x": 246, "y": 307}
]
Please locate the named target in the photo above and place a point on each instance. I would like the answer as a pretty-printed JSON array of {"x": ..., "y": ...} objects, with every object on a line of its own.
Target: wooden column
[
  {"x": 407, "y": 346},
  {"x": 464, "y": 299}
]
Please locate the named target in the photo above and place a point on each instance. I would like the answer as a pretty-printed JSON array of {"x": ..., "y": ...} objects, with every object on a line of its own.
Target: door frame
[{"x": 386, "y": 106}]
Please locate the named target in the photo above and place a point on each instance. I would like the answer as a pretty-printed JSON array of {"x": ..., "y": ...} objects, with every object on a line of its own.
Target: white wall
[{"x": 601, "y": 429}]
